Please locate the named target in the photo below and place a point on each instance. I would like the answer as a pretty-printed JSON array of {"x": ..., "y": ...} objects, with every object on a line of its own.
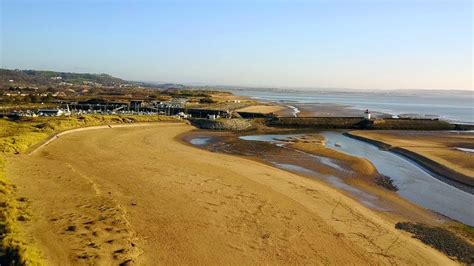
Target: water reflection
[
  {"x": 200, "y": 141},
  {"x": 414, "y": 183}
]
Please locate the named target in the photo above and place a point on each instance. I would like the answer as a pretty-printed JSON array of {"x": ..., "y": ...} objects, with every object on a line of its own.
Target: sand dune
[{"x": 137, "y": 195}]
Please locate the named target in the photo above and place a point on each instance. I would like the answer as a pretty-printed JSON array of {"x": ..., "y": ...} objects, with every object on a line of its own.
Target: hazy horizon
[
  {"x": 277, "y": 88},
  {"x": 366, "y": 45}
]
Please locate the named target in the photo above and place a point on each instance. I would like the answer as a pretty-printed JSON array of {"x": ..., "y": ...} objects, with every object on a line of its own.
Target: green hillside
[{"x": 47, "y": 78}]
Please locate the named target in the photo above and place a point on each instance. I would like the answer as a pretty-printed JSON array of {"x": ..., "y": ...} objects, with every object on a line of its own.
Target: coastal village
[
  {"x": 236, "y": 133},
  {"x": 343, "y": 150},
  {"x": 26, "y": 93},
  {"x": 53, "y": 96}
]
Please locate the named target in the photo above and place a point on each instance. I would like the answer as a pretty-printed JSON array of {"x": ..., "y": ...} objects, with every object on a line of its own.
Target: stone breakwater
[
  {"x": 223, "y": 124},
  {"x": 359, "y": 123}
]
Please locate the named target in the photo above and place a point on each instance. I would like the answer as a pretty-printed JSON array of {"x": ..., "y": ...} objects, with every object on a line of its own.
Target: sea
[{"x": 453, "y": 106}]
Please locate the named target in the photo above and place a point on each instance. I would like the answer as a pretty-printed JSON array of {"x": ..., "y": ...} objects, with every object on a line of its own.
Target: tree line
[{"x": 34, "y": 98}]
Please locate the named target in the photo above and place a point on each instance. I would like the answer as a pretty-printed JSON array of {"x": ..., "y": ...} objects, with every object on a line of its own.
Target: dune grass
[
  {"x": 19, "y": 136},
  {"x": 441, "y": 239},
  {"x": 13, "y": 250}
]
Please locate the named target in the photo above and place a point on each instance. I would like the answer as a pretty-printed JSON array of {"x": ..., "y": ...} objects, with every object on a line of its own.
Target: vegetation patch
[
  {"x": 19, "y": 136},
  {"x": 441, "y": 239},
  {"x": 386, "y": 182},
  {"x": 464, "y": 230},
  {"x": 234, "y": 124}
]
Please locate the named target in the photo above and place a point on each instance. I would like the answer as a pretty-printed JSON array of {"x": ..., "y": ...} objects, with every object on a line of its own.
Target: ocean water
[{"x": 455, "y": 106}]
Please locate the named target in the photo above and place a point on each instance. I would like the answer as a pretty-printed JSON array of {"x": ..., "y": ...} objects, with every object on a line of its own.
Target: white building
[
  {"x": 367, "y": 114},
  {"x": 213, "y": 117},
  {"x": 54, "y": 112},
  {"x": 183, "y": 115}
]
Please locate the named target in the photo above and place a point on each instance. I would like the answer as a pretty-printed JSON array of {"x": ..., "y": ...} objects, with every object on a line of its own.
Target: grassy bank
[
  {"x": 441, "y": 239},
  {"x": 18, "y": 137}
]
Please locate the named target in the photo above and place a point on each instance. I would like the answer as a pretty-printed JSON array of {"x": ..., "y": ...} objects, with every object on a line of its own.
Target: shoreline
[
  {"x": 310, "y": 105},
  {"x": 389, "y": 204},
  {"x": 193, "y": 198},
  {"x": 438, "y": 170}
]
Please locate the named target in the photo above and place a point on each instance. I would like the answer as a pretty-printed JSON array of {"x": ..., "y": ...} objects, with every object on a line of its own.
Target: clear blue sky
[{"x": 367, "y": 44}]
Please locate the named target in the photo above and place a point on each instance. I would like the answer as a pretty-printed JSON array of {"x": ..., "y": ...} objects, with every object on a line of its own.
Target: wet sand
[
  {"x": 138, "y": 195},
  {"x": 357, "y": 173},
  {"x": 263, "y": 109},
  {"x": 442, "y": 148},
  {"x": 327, "y": 110}
]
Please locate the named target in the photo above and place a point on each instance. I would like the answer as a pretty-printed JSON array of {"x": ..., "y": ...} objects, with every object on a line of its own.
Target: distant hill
[{"x": 47, "y": 78}]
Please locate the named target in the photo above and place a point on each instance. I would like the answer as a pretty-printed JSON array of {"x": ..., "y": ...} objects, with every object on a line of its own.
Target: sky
[{"x": 361, "y": 44}]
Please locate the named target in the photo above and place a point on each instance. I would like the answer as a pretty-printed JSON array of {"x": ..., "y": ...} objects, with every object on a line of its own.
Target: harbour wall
[{"x": 359, "y": 123}]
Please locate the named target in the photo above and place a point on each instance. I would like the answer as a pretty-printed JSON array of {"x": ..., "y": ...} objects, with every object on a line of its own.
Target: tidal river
[{"x": 413, "y": 182}]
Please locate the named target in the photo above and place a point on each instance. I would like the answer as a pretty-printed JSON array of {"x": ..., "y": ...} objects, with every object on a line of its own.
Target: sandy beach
[
  {"x": 358, "y": 173},
  {"x": 321, "y": 110},
  {"x": 263, "y": 109},
  {"x": 137, "y": 195}
]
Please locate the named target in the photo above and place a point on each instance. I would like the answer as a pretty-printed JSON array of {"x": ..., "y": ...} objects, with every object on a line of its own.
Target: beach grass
[
  {"x": 17, "y": 136},
  {"x": 442, "y": 239}
]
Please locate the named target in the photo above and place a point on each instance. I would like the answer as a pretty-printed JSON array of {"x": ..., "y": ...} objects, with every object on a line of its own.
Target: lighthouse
[{"x": 367, "y": 114}]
